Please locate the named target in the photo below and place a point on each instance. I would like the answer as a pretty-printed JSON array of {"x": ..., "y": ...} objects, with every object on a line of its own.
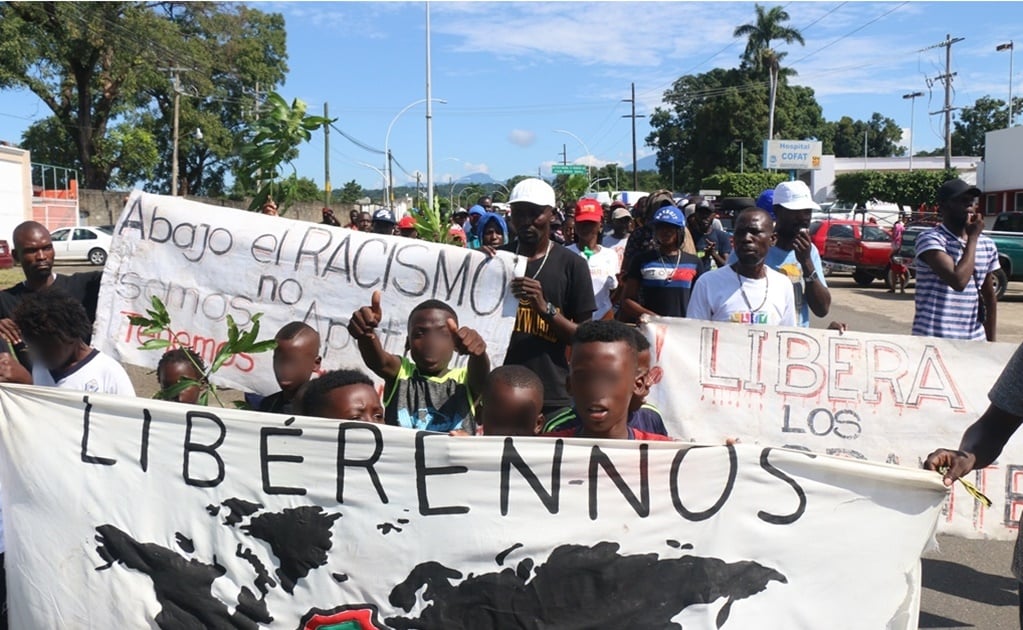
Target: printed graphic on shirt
[
  {"x": 528, "y": 321},
  {"x": 749, "y": 318},
  {"x": 668, "y": 275},
  {"x": 794, "y": 272}
]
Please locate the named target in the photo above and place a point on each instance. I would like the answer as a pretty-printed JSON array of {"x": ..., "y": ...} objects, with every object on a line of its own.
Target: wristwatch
[{"x": 551, "y": 311}]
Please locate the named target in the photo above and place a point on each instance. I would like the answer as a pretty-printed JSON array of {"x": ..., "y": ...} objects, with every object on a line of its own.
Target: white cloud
[
  {"x": 522, "y": 137},
  {"x": 476, "y": 168}
]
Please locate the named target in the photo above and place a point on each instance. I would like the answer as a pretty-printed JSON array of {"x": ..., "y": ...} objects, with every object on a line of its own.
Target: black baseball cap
[{"x": 955, "y": 188}]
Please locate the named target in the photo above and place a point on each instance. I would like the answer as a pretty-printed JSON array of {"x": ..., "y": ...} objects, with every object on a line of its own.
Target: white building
[
  {"x": 822, "y": 181},
  {"x": 1001, "y": 173}
]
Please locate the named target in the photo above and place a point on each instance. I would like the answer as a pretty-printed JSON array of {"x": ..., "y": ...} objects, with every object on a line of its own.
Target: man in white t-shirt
[
  {"x": 747, "y": 291},
  {"x": 603, "y": 261},
  {"x": 54, "y": 326}
]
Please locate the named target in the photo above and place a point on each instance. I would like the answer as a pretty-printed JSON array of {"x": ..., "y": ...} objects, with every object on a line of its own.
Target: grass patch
[{"x": 10, "y": 277}]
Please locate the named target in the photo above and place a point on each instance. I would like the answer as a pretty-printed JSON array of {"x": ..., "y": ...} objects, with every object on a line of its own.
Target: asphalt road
[{"x": 967, "y": 583}]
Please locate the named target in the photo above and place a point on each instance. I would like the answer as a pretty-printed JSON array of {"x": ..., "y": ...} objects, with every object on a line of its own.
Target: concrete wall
[{"x": 103, "y": 207}]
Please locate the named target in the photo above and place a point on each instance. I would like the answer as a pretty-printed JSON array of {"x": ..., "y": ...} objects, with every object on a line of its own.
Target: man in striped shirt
[{"x": 955, "y": 293}]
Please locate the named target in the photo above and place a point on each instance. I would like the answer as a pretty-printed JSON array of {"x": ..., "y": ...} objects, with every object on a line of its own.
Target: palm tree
[{"x": 759, "y": 55}]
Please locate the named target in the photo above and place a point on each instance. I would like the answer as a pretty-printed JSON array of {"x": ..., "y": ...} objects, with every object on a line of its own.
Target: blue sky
[{"x": 512, "y": 73}]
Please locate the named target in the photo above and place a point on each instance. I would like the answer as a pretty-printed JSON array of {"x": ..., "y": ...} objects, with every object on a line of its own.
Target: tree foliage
[
  {"x": 709, "y": 114},
  {"x": 351, "y": 192},
  {"x": 274, "y": 144},
  {"x": 743, "y": 184},
  {"x": 974, "y": 121},
  {"x": 905, "y": 188},
  {"x": 882, "y": 133},
  {"x": 101, "y": 69}
]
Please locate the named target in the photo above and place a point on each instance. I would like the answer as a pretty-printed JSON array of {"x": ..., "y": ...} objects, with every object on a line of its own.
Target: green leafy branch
[
  {"x": 431, "y": 226},
  {"x": 275, "y": 141},
  {"x": 157, "y": 321}
]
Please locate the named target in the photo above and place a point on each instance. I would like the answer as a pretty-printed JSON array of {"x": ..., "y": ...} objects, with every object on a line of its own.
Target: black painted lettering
[
  {"x": 126, "y": 281},
  {"x": 225, "y": 237},
  {"x": 207, "y": 449},
  {"x": 157, "y": 223},
  {"x": 788, "y": 519},
  {"x": 133, "y": 220},
  {"x": 308, "y": 249},
  {"x": 86, "y": 458},
  {"x": 484, "y": 265},
  {"x": 259, "y": 248},
  {"x": 267, "y": 279},
  {"x": 599, "y": 460},
  {"x": 676, "y": 497},
  {"x": 342, "y": 252},
  {"x": 355, "y": 262},
  {"x": 450, "y": 284},
  {"x": 266, "y": 457},
  {"x": 511, "y": 458},
  {"x": 424, "y": 282},
  {"x": 423, "y": 471},
  {"x": 343, "y": 462},
  {"x": 147, "y": 419},
  {"x": 786, "y": 427}
]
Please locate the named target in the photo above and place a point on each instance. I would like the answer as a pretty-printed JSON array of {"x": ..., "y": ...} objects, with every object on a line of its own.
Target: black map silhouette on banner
[{"x": 577, "y": 586}]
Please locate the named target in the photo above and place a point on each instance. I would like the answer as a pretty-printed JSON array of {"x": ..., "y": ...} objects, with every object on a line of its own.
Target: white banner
[
  {"x": 207, "y": 262},
  {"x": 134, "y": 513},
  {"x": 884, "y": 398}
]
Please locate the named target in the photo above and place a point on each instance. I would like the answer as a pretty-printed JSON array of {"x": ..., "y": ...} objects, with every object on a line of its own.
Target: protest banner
[
  {"x": 132, "y": 513},
  {"x": 886, "y": 398},
  {"x": 207, "y": 262}
]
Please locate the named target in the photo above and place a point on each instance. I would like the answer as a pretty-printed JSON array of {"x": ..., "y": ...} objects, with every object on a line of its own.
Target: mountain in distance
[{"x": 477, "y": 178}]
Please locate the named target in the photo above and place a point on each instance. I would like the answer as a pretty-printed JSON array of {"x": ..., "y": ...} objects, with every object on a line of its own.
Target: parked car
[
  {"x": 6, "y": 259},
  {"x": 857, "y": 247},
  {"x": 81, "y": 243},
  {"x": 1007, "y": 233}
]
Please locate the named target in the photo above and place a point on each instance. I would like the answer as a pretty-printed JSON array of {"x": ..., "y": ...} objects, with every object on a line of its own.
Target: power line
[{"x": 356, "y": 142}]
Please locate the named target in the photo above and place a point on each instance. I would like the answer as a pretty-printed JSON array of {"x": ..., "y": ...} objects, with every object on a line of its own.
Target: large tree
[
  {"x": 103, "y": 71},
  {"x": 882, "y": 136},
  {"x": 711, "y": 122},
  {"x": 760, "y": 55},
  {"x": 974, "y": 121}
]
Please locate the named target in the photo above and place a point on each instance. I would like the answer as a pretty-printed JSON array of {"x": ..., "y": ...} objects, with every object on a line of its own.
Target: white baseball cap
[
  {"x": 794, "y": 195},
  {"x": 533, "y": 190}
]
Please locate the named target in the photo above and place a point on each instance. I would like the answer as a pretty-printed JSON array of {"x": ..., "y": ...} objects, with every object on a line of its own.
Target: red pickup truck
[{"x": 861, "y": 248}]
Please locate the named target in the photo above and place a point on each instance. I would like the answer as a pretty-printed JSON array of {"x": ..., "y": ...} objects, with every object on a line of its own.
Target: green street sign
[{"x": 568, "y": 169}]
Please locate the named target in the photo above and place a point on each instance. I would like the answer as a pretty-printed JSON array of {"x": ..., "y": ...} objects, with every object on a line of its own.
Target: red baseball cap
[
  {"x": 588, "y": 210},
  {"x": 407, "y": 222}
]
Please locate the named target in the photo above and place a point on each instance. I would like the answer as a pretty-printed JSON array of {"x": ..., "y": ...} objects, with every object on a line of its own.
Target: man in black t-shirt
[
  {"x": 554, "y": 291},
  {"x": 33, "y": 250}
]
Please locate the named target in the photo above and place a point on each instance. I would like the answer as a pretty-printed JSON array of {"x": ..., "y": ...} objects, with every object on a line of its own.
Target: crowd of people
[{"x": 575, "y": 365}]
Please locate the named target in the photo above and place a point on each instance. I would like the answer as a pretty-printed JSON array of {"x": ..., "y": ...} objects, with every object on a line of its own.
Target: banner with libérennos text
[
  {"x": 867, "y": 396},
  {"x": 131, "y": 513},
  {"x": 207, "y": 262}
]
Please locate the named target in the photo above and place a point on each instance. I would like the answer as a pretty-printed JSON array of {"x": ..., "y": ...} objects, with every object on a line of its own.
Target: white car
[{"x": 82, "y": 243}]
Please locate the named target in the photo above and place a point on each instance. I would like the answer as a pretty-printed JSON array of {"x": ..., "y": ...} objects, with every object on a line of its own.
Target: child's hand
[
  {"x": 467, "y": 340},
  {"x": 365, "y": 320}
]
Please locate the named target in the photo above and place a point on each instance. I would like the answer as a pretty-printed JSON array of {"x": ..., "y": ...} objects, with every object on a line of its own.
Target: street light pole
[
  {"x": 387, "y": 142},
  {"x": 1008, "y": 47},
  {"x": 383, "y": 176},
  {"x": 912, "y": 115},
  {"x": 585, "y": 148}
]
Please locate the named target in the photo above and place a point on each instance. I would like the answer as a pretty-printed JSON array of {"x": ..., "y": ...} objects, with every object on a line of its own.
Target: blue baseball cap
[
  {"x": 670, "y": 215},
  {"x": 766, "y": 201}
]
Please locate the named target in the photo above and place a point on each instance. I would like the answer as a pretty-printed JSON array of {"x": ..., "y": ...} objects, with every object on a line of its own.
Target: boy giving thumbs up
[{"x": 421, "y": 389}]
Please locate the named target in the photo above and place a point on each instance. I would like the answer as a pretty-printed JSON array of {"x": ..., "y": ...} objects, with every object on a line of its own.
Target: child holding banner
[
  {"x": 642, "y": 415},
  {"x": 511, "y": 403},
  {"x": 424, "y": 392},
  {"x": 296, "y": 358},
  {"x": 604, "y": 376},
  {"x": 341, "y": 395}
]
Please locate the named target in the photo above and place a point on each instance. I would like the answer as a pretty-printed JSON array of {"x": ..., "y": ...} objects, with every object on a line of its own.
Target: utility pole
[
  {"x": 564, "y": 154},
  {"x": 255, "y": 96},
  {"x": 176, "y": 86},
  {"x": 390, "y": 182},
  {"x": 326, "y": 159},
  {"x": 633, "y": 116},
  {"x": 947, "y": 80},
  {"x": 429, "y": 117}
]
